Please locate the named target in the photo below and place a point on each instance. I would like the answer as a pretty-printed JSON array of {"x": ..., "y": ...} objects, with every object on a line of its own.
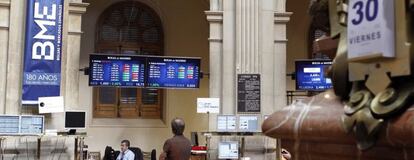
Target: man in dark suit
[{"x": 178, "y": 147}]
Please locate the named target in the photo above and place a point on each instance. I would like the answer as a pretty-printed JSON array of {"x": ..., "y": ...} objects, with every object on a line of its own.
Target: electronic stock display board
[
  {"x": 144, "y": 71},
  {"x": 311, "y": 75},
  {"x": 117, "y": 70}
]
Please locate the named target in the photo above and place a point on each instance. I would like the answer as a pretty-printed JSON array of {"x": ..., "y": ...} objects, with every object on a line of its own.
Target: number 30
[{"x": 369, "y": 15}]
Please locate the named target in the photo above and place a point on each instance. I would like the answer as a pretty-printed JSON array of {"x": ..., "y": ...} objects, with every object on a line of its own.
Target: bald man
[{"x": 178, "y": 147}]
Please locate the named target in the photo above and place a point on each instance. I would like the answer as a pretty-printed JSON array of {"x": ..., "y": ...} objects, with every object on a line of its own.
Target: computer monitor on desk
[
  {"x": 9, "y": 125},
  {"x": 248, "y": 123},
  {"x": 226, "y": 123},
  {"x": 32, "y": 125},
  {"x": 75, "y": 120},
  {"x": 228, "y": 150}
]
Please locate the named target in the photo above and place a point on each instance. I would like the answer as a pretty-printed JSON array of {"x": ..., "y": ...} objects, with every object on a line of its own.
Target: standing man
[
  {"x": 177, "y": 147},
  {"x": 125, "y": 154}
]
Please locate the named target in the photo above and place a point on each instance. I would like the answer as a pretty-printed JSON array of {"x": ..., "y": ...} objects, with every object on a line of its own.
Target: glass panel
[
  {"x": 146, "y": 20},
  {"x": 128, "y": 96},
  {"x": 109, "y": 33},
  {"x": 150, "y": 52},
  {"x": 131, "y": 52},
  {"x": 129, "y": 33},
  {"x": 115, "y": 18},
  {"x": 107, "y": 95},
  {"x": 150, "y": 96},
  {"x": 151, "y": 35},
  {"x": 130, "y": 13},
  {"x": 319, "y": 34},
  {"x": 108, "y": 51}
]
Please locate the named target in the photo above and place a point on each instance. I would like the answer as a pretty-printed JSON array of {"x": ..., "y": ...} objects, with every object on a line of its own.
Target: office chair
[
  {"x": 138, "y": 153},
  {"x": 153, "y": 154},
  {"x": 109, "y": 153},
  {"x": 116, "y": 154}
]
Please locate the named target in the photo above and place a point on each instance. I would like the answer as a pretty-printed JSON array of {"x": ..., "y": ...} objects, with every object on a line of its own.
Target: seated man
[
  {"x": 177, "y": 147},
  {"x": 125, "y": 154}
]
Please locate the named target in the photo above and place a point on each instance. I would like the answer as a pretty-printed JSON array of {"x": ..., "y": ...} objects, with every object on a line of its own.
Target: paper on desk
[{"x": 51, "y": 104}]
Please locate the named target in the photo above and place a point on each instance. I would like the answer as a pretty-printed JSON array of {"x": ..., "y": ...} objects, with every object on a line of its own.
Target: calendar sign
[{"x": 371, "y": 30}]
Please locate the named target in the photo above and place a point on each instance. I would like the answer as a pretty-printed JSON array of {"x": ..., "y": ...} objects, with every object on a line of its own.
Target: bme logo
[{"x": 39, "y": 49}]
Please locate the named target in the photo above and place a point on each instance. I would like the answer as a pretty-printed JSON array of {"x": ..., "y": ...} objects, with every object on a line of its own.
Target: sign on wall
[
  {"x": 208, "y": 105},
  {"x": 43, "y": 47},
  {"x": 371, "y": 29},
  {"x": 248, "y": 93}
]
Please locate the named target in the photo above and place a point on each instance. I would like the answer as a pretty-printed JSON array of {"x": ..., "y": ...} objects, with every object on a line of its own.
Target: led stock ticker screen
[
  {"x": 167, "y": 72},
  {"x": 311, "y": 75},
  {"x": 117, "y": 70},
  {"x": 144, "y": 71}
]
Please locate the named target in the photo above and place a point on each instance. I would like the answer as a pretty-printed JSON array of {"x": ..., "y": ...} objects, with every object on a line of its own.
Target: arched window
[{"x": 128, "y": 28}]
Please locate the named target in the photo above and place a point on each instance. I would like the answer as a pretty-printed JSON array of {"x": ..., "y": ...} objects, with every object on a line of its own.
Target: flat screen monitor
[
  {"x": 75, "y": 119},
  {"x": 32, "y": 125},
  {"x": 173, "y": 72},
  {"x": 116, "y": 70},
  {"x": 248, "y": 123},
  {"x": 228, "y": 150},
  {"x": 226, "y": 123},
  {"x": 9, "y": 124},
  {"x": 311, "y": 75}
]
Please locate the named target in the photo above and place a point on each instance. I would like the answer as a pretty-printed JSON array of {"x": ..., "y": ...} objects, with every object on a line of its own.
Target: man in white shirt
[{"x": 125, "y": 154}]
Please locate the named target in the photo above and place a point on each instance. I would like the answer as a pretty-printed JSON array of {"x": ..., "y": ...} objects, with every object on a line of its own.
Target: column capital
[
  {"x": 214, "y": 16},
  {"x": 282, "y": 17},
  {"x": 4, "y": 3},
  {"x": 78, "y": 7}
]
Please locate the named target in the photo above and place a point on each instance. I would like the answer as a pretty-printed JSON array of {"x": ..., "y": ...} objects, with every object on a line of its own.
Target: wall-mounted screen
[
  {"x": 116, "y": 70},
  {"x": 311, "y": 75},
  {"x": 173, "y": 72}
]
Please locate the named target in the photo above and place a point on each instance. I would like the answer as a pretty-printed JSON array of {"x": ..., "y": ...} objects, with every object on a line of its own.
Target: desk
[
  {"x": 1, "y": 147},
  {"x": 208, "y": 136},
  {"x": 198, "y": 155},
  {"x": 79, "y": 143}
]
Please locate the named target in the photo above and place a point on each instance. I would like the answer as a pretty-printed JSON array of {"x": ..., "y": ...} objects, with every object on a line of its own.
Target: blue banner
[{"x": 43, "y": 47}]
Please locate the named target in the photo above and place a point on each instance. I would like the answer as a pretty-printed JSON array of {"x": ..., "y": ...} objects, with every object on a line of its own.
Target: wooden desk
[{"x": 198, "y": 156}]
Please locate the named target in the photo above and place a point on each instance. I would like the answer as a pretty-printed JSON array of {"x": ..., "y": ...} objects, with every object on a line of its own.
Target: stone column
[
  {"x": 280, "y": 19},
  {"x": 228, "y": 71},
  {"x": 269, "y": 58},
  {"x": 71, "y": 53},
  {"x": 215, "y": 19},
  {"x": 4, "y": 39},
  {"x": 69, "y": 88},
  {"x": 280, "y": 42},
  {"x": 15, "y": 53},
  {"x": 216, "y": 5},
  {"x": 248, "y": 37}
]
